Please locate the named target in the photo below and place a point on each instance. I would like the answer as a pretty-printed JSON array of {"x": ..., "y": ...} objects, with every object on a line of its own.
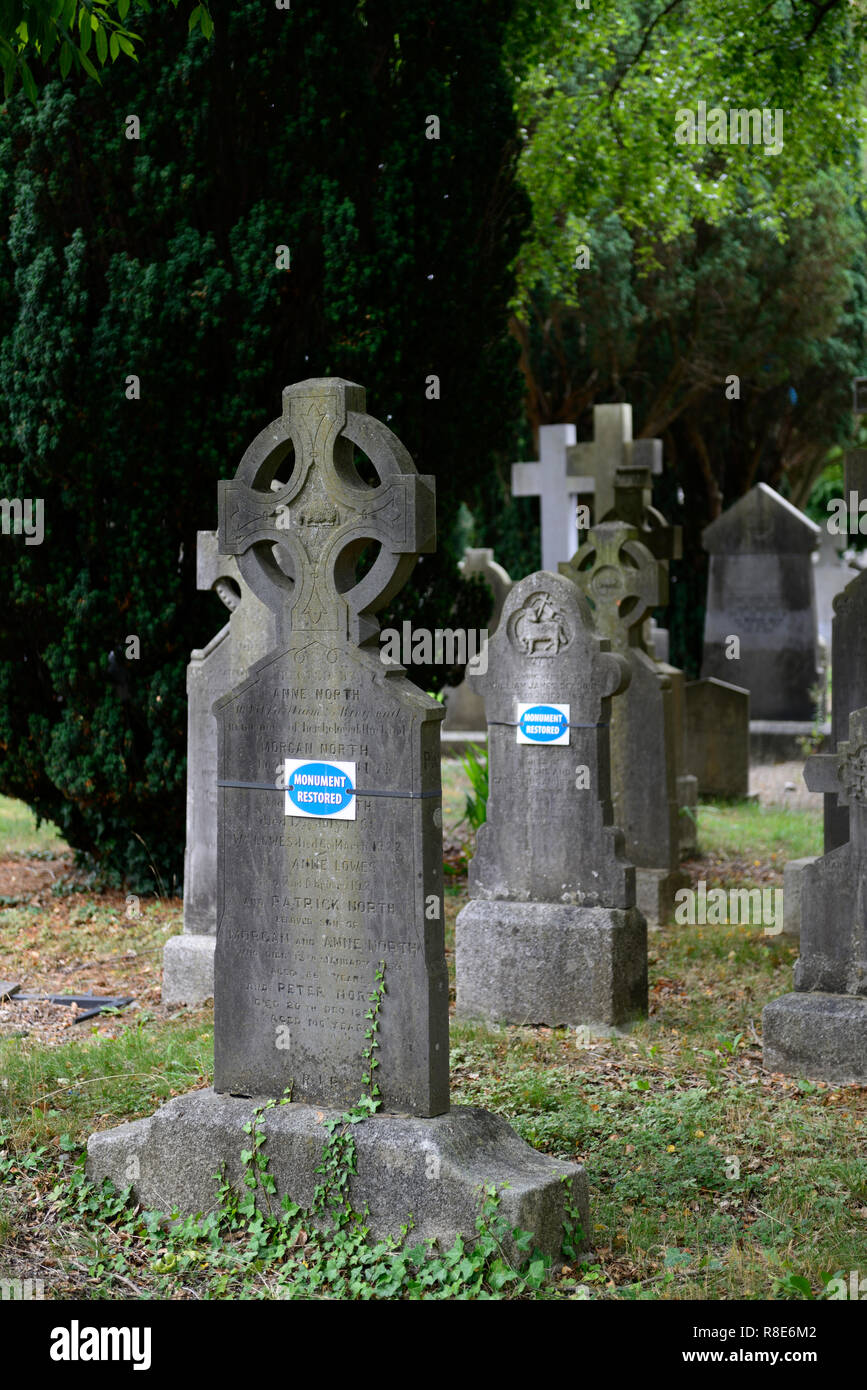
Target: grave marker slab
[
  {"x": 551, "y": 934},
  {"x": 821, "y": 1030},
  {"x": 760, "y": 590},
  {"x": 718, "y": 737},
  {"x": 312, "y": 906}
]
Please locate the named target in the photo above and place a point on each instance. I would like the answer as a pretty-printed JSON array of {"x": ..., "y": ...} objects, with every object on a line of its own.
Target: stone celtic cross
[
  {"x": 297, "y": 545},
  {"x": 622, "y": 580}
]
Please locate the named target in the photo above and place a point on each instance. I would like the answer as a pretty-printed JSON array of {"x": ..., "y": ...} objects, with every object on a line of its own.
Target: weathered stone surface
[
  {"x": 465, "y": 708},
  {"x": 718, "y": 737},
  {"x": 848, "y": 688},
  {"x": 188, "y": 970},
  {"x": 818, "y": 1035},
  {"x": 760, "y": 590},
  {"x": 432, "y": 1169},
  {"x": 547, "y": 839},
  {"x": 828, "y": 1038},
  {"x": 551, "y": 963},
  {"x": 623, "y": 582},
  {"x": 793, "y": 879},
  {"x": 552, "y": 931}
]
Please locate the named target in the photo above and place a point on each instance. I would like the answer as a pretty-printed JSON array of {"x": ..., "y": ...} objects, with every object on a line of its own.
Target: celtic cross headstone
[
  {"x": 623, "y": 581},
  {"x": 309, "y": 901},
  {"x": 330, "y": 873}
]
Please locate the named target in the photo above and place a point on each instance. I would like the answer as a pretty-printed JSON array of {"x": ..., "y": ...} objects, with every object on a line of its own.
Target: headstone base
[
  {"x": 816, "y": 1035},
  {"x": 431, "y": 1169},
  {"x": 793, "y": 878},
  {"x": 654, "y": 893},
  {"x": 188, "y": 969},
  {"x": 550, "y": 963}
]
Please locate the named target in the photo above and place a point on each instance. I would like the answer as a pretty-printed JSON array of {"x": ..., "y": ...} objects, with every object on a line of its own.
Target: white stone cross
[{"x": 566, "y": 470}]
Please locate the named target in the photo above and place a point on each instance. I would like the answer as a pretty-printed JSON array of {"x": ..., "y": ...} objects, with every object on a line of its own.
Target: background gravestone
[
  {"x": 465, "y": 709},
  {"x": 623, "y": 582},
  {"x": 337, "y": 875},
  {"x": 760, "y": 589},
  {"x": 633, "y": 504},
  {"x": 718, "y": 737},
  {"x": 555, "y": 481},
  {"x": 600, "y": 459},
  {"x": 848, "y": 688},
  {"x": 188, "y": 959},
  {"x": 551, "y": 934},
  {"x": 821, "y": 1030}
]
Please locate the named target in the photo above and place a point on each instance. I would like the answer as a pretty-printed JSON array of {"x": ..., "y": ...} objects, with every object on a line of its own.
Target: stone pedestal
[
  {"x": 551, "y": 963},
  {"x": 819, "y": 1035},
  {"x": 430, "y": 1169},
  {"x": 188, "y": 969}
]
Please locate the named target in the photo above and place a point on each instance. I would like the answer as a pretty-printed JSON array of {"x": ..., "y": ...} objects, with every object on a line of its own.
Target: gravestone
[
  {"x": 623, "y": 582},
  {"x": 551, "y": 934},
  {"x": 718, "y": 737},
  {"x": 760, "y": 591},
  {"x": 848, "y": 687},
  {"x": 188, "y": 959},
  {"x": 611, "y": 449},
  {"x": 820, "y": 1030},
  {"x": 831, "y": 574},
  {"x": 566, "y": 471},
  {"x": 332, "y": 876},
  {"x": 465, "y": 709},
  {"x": 556, "y": 482},
  {"x": 633, "y": 504}
]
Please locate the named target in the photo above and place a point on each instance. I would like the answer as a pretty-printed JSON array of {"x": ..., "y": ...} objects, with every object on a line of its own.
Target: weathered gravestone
[
  {"x": 718, "y": 737},
  {"x": 760, "y": 592},
  {"x": 848, "y": 657},
  {"x": 188, "y": 959},
  {"x": 821, "y": 1030},
  {"x": 465, "y": 708},
  {"x": 623, "y": 582},
  {"x": 633, "y": 504},
  {"x": 338, "y": 877},
  {"x": 601, "y": 460},
  {"x": 831, "y": 574},
  {"x": 551, "y": 934}
]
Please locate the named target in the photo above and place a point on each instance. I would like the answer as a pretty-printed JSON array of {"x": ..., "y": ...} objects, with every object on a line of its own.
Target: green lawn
[{"x": 18, "y": 832}]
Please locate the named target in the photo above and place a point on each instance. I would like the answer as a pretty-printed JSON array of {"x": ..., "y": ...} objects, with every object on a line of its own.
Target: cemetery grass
[{"x": 709, "y": 1177}]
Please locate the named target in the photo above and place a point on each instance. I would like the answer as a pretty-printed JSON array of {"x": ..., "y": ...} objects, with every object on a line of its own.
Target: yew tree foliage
[{"x": 157, "y": 258}]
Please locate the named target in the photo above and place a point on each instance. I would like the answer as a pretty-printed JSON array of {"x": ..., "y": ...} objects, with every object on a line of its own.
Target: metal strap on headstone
[
  {"x": 516, "y": 724},
  {"x": 352, "y": 791}
]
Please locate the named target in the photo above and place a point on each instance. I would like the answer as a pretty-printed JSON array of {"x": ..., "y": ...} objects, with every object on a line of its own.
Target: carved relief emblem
[
  {"x": 539, "y": 628},
  {"x": 853, "y": 773}
]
